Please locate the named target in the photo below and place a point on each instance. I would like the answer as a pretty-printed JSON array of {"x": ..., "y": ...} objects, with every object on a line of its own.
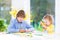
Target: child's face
[
  {"x": 20, "y": 19},
  {"x": 47, "y": 22}
]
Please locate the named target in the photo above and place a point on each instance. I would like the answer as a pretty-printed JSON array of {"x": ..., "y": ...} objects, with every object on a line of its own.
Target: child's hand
[
  {"x": 43, "y": 25},
  {"x": 22, "y": 31}
]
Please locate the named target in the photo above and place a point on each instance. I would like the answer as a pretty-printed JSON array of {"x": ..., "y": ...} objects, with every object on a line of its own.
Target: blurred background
[
  {"x": 35, "y": 8},
  {"x": 39, "y": 8},
  {"x": 5, "y": 7}
]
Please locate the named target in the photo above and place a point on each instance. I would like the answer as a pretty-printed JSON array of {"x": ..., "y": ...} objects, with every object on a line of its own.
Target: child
[
  {"x": 19, "y": 25},
  {"x": 47, "y": 24}
]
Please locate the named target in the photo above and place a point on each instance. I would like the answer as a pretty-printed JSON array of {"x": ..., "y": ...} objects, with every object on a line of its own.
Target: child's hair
[
  {"x": 21, "y": 13},
  {"x": 49, "y": 17}
]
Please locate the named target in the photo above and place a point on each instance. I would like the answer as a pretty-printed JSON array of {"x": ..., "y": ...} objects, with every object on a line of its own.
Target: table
[{"x": 35, "y": 36}]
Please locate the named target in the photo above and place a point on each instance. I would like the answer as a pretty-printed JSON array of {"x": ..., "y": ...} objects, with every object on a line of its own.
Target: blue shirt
[{"x": 15, "y": 26}]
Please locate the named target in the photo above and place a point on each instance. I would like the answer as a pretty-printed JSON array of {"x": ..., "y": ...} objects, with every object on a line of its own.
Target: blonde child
[{"x": 47, "y": 24}]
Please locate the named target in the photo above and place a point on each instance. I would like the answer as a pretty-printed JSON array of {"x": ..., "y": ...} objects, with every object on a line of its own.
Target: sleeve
[
  {"x": 29, "y": 27},
  {"x": 50, "y": 29},
  {"x": 12, "y": 28}
]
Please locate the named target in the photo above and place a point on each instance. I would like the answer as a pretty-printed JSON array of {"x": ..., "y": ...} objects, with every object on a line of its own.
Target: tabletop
[{"x": 28, "y": 36}]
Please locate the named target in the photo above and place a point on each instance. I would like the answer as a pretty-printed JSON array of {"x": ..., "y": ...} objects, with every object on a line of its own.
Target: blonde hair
[{"x": 49, "y": 17}]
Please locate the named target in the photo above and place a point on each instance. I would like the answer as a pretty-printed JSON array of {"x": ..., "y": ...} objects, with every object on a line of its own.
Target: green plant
[{"x": 3, "y": 25}]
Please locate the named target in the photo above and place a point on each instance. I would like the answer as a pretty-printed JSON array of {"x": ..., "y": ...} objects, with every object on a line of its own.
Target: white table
[{"x": 4, "y": 36}]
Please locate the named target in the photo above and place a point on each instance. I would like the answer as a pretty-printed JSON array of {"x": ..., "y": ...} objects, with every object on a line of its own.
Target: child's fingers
[
  {"x": 22, "y": 31},
  {"x": 40, "y": 23}
]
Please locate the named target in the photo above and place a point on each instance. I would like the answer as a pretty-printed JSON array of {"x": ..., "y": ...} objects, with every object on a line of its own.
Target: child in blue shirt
[{"x": 19, "y": 25}]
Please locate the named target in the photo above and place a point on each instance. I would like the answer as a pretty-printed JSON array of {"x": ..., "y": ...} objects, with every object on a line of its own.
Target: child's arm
[
  {"x": 12, "y": 28},
  {"x": 43, "y": 25},
  {"x": 29, "y": 28}
]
